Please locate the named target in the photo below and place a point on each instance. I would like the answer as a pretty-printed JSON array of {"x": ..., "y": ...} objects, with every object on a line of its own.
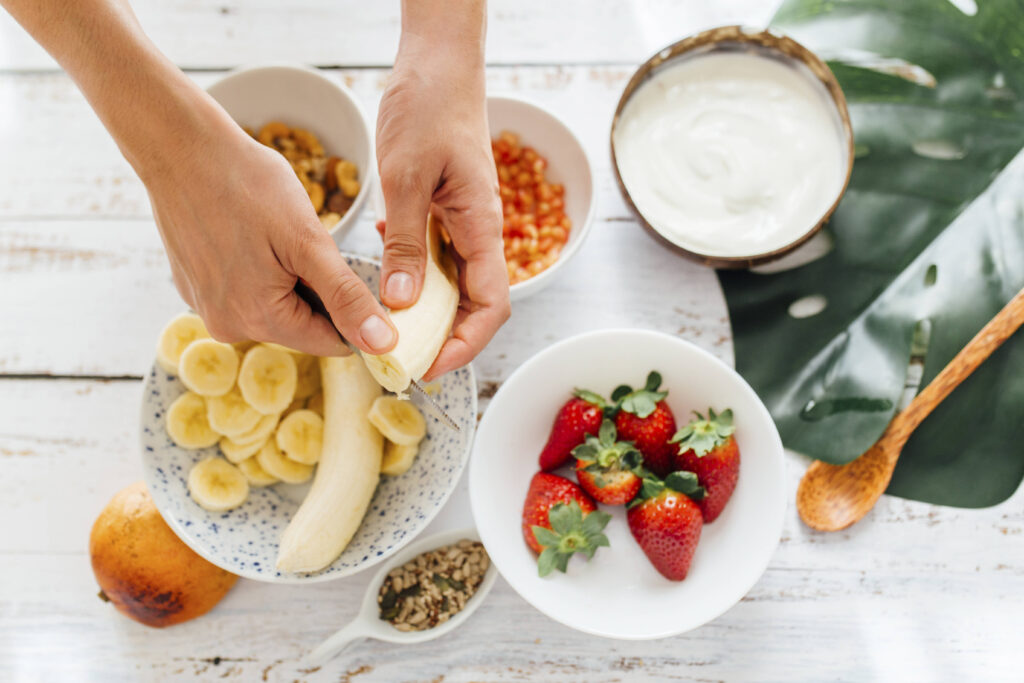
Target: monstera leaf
[{"x": 926, "y": 246}]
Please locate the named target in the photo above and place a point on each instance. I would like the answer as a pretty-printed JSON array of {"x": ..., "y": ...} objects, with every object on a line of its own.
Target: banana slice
[
  {"x": 217, "y": 485},
  {"x": 397, "y": 458},
  {"x": 300, "y": 436},
  {"x": 424, "y": 326},
  {"x": 187, "y": 424},
  {"x": 399, "y": 421},
  {"x": 275, "y": 464},
  {"x": 179, "y": 333},
  {"x": 208, "y": 367},
  {"x": 256, "y": 475},
  {"x": 237, "y": 452},
  {"x": 260, "y": 433},
  {"x": 230, "y": 415},
  {"x": 267, "y": 378},
  {"x": 308, "y": 382},
  {"x": 316, "y": 403}
]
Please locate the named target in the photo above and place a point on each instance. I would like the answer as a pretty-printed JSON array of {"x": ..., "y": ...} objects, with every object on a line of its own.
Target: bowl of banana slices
[{"x": 248, "y": 448}]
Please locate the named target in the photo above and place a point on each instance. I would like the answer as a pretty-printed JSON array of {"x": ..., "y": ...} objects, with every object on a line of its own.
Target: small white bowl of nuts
[
  {"x": 316, "y": 123},
  {"x": 427, "y": 589},
  {"x": 547, "y": 191}
]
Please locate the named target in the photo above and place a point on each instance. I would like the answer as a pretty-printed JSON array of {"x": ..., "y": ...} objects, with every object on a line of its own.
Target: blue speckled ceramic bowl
[{"x": 244, "y": 540}]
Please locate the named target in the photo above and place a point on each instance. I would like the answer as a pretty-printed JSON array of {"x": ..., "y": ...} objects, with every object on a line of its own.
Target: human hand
[
  {"x": 434, "y": 154},
  {"x": 240, "y": 231}
]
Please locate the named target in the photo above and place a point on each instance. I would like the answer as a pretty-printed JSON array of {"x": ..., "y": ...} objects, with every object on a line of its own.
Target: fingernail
[
  {"x": 376, "y": 333},
  {"x": 398, "y": 289}
]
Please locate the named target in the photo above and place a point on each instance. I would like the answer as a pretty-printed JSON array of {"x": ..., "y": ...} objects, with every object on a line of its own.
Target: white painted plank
[
  {"x": 90, "y": 297},
  {"x": 226, "y": 33},
  {"x": 914, "y": 592}
]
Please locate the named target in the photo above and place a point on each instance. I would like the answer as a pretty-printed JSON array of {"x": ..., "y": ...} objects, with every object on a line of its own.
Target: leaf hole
[
  {"x": 942, "y": 150},
  {"x": 968, "y": 7},
  {"x": 808, "y": 306}
]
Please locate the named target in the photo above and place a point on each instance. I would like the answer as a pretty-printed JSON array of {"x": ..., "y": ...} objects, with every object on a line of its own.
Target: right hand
[{"x": 240, "y": 231}]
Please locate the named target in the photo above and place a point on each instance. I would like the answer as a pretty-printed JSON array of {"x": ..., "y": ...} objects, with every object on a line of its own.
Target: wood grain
[{"x": 226, "y": 33}]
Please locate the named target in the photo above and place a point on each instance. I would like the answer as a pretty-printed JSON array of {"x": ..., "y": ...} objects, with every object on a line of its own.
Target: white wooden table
[{"x": 914, "y": 592}]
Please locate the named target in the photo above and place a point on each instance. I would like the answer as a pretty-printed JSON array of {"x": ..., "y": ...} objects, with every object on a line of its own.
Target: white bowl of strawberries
[{"x": 630, "y": 512}]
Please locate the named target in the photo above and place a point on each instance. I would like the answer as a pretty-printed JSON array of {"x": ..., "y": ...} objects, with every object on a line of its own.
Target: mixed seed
[{"x": 433, "y": 587}]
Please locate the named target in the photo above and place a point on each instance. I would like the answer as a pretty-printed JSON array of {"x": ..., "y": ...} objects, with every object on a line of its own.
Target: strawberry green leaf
[
  {"x": 546, "y": 537},
  {"x": 564, "y": 517},
  {"x": 685, "y": 483},
  {"x": 590, "y": 397},
  {"x": 548, "y": 561},
  {"x": 703, "y": 435},
  {"x": 606, "y": 434},
  {"x": 621, "y": 392},
  {"x": 653, "y": 381}
]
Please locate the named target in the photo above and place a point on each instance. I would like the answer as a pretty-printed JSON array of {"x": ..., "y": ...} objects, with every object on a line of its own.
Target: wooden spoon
[{"x": 833, "y": 497}]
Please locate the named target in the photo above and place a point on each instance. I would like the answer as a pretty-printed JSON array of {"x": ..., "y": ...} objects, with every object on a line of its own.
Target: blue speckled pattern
[{"x": 244, "y": 540}]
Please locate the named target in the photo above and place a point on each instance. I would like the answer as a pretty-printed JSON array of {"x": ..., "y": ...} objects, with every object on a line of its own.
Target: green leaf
[
  {"x": 686, "y": 483},
  {"x": 606, "y": 433},
  {"x": 546, "y": 537},
  {"x": 594, "y": 524},
  {"x": 590, "y": 397},
  {"x": 653, "y": 381},
  {"x": 561, "y": 517},
  {"x": 547, "y": 561},
  {"x": 621, "y": 392},
  {"x": 918, "y": 243},
  {"x": 585, "y": 452}
]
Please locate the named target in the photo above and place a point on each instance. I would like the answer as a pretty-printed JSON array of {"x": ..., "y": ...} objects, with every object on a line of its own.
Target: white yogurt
[{"x": 731, "y": 153}]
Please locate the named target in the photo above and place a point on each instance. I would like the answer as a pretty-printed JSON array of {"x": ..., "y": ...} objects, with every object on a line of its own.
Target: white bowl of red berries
[
  {"x": 628, "y": 484},
  {"x": 547, "y": 191}
]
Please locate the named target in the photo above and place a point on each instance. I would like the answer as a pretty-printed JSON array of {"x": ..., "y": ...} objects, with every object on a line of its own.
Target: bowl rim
[
  {"x": 320, "y": 576},
  {"x": 542, "y": 279},
  {"x": 724, "y": 38},
  {"x": 778, "y": 526},
  {"x": 345, "y": 224}
]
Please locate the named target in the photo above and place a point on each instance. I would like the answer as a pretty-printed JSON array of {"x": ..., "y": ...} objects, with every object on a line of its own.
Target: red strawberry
[
  {"x": 708, "y": 449},
  {"x": 645, "y": 419},
  {"x": 580, "y": 416},
  {"x": 559, "y": 519},
  {"x": 607, "y": 469},
  {"x": 667, "y": 523}
]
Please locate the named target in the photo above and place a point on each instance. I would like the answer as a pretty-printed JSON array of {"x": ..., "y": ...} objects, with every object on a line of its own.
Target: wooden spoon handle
[{"x": 998, "y": 330}]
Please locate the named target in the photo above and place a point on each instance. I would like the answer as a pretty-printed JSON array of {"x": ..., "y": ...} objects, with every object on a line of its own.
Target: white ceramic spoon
[{"x": 368, "y": 623}]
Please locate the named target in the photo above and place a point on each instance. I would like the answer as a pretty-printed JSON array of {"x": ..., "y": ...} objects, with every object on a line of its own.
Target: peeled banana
[
  {"x": 399, "y": 421},
  {"x": 267, "y": 378},
  {"x": 398, "y": 458},
  {"x": 274, "y": 463},
  {"x": 256, "y": 475},
  {"x": 230, "y": 415},
  {"x": 217, "y": 485},
  {"x": 187, "y": 424},
  {"x": 176, "y": 335},
  {"x": 424, "y": 326},
  {"x": 208, "y": 367},
  {"x": 347, "y": 475},
  {"x": 237, "y": 452},
  {"x": 300, "y": 436}
]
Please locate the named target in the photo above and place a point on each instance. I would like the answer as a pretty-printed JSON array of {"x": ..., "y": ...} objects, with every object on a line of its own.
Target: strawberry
[
  {"x": 607, "y": 469},
  {"x": 666, "y": 522},
  {"x": 645, "y": 419},
  {"x": 708, "y": 449},
  {"x": 559, "y": 519},
  {"x": 580, "y": 416}
]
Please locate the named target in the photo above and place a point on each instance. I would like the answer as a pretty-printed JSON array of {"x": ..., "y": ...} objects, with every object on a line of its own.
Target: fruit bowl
[
  {"x": 245, "y": 540},
  {"x": 567, "y": 164},
  {"x": 302, "y": 97},
  {"x": 619, "y": 594}
]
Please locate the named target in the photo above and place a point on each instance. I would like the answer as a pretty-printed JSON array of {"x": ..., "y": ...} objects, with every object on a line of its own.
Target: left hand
[{"x": 434, "y": 154}]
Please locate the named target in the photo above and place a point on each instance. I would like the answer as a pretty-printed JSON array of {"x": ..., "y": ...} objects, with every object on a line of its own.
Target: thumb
[
  {"x": 352, "y": 307},
  {"x": 405, "y": 243}
]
